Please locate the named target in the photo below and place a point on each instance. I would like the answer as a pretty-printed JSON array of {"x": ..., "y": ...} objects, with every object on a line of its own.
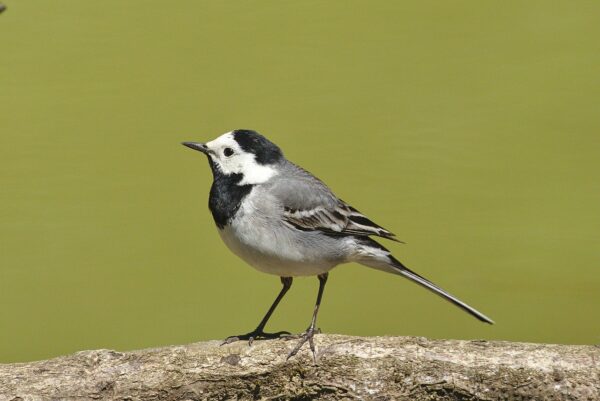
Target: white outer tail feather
[{"x": 373, "y": 255}]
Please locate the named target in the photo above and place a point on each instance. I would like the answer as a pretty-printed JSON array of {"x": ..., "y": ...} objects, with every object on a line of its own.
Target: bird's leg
[
  {"x": 258, "y": 333},
  {"x": 310, "y": 332}
]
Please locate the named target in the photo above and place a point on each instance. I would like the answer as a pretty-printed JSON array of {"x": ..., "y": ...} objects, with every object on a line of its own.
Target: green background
[{"x": 470, "y": 129}]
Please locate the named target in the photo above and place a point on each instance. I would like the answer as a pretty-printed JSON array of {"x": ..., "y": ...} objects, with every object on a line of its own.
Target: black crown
[{"x": 266, "y": 152}]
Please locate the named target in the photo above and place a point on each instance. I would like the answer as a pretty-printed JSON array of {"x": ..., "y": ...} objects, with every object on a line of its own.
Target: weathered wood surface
[{"x": 349, "y": 368}]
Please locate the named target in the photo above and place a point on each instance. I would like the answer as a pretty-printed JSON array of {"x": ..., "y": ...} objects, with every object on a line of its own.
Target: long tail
[
  {"x": 378, "y": 257},
  {"x": 422, "y": 281}
]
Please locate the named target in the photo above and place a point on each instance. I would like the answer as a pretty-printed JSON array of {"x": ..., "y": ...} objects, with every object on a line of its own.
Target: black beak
[{"x": 196, "y": 146}]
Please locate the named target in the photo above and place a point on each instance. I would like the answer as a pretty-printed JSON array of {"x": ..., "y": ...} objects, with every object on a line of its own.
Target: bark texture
[{"x": 349, "y": 368}]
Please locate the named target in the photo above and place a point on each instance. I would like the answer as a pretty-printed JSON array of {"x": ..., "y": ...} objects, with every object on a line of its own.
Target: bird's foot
[
  {"x": 255, "y": 335},
  {"x": 298, "y": 336},
  {"x": 306, "y": 336}
]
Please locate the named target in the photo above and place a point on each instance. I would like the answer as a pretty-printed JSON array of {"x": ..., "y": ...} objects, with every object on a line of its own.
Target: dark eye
[{"x": 227, "y": 152}]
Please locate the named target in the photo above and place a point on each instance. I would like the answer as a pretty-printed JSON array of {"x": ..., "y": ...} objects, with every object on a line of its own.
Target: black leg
[
  {"x": 258, "y": 333},
  {"x": 310, "y": 332}
]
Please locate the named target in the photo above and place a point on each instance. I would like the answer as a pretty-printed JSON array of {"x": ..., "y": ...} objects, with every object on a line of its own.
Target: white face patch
[{"x": 238, "y": 162}]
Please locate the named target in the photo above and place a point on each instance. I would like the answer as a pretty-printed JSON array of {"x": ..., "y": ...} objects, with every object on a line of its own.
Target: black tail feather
[{"x": 422, "y": 281}]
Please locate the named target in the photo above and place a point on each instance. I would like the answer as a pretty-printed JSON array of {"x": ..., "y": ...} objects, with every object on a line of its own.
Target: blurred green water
[{"x": 470, "y": 129}]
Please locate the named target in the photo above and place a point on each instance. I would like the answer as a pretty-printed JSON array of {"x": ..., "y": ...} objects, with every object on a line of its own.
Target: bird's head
[{"x": 243, "y": 153}]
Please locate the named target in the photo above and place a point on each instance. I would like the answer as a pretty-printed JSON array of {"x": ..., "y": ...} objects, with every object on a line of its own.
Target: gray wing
[{"x": 308, "y": 204}]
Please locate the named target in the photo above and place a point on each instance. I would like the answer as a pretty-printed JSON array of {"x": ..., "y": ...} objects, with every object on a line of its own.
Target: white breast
[{"x": 267, "y": 244}]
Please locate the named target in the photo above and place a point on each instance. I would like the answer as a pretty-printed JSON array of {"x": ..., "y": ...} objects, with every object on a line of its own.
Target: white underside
[
  {"x": 260, "y": 237},
  {"x": 282, "y": 253},
  {"x": 269, "y": 254}
]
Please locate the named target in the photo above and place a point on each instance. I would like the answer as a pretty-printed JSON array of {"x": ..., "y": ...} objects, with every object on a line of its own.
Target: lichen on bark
[{"x": 349, "y": 368}]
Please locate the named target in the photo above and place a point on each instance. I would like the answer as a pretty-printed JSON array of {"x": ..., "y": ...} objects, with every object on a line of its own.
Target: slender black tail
[{"x": 402, "y": 270}]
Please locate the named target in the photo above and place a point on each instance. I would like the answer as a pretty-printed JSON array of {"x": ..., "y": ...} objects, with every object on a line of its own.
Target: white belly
[{"x": 274, "y": 251}]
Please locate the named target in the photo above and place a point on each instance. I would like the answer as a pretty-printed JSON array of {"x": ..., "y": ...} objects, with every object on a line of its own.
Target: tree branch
[{"x": 349, "y": 368}]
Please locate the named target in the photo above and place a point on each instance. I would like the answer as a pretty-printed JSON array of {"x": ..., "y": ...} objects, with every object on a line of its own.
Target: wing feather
[
  {"x": 342, "y": 220},
  {"x": 309, "y": 205}
]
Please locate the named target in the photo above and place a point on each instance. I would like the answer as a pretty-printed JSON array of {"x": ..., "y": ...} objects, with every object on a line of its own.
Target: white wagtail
[{"x": 282, "y": 220}]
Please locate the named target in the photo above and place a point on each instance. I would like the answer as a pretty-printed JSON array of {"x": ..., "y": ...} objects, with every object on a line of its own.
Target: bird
[{"x": 284, "y": 221}]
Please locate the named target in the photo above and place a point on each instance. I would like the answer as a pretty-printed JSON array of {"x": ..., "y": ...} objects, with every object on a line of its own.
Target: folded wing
[
  {"x": 342, "y": 220},
  {"x": 308, "y": 204}
]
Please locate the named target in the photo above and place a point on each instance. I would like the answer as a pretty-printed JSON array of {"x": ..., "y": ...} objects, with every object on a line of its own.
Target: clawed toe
[
  {"x": 255, "y": 335},
  {"x": 299, "y": 335},
  {"x": 307, "y": 336}
]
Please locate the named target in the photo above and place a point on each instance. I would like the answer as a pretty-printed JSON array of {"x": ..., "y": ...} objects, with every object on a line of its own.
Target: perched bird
[{"x": 282, "y": 220}]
